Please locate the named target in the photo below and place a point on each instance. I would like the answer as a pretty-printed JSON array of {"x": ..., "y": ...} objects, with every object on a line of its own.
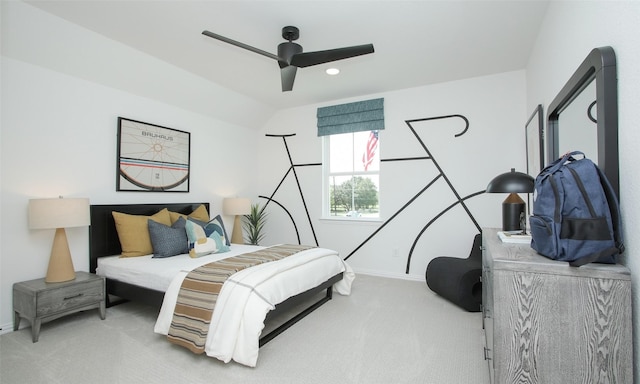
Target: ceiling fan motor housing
[{"x": 286, "y": 52}]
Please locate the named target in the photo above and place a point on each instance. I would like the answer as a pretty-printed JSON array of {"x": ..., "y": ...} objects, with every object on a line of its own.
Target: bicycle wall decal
[{"x": 441, "y": 176}]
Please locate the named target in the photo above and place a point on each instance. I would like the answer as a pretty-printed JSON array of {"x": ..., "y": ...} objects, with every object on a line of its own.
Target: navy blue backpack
[{"x": 576, "y": 216}]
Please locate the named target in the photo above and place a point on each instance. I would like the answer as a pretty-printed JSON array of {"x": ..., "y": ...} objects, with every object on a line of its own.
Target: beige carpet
[{"x": 387, "y": 331}]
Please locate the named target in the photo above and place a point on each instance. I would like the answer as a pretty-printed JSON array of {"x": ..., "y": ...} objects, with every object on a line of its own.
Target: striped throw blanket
[{"x": 199, "y": 293}]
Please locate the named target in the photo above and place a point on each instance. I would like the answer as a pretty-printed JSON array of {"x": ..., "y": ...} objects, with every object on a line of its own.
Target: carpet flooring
[{"x": 386, "y": 331}]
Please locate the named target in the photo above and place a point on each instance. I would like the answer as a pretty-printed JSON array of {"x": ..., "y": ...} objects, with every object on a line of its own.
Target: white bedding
[
  {"x": 250, "y": 294},
  {"x": 157, "y": 274},
  {"x": 246, "y": 297}
]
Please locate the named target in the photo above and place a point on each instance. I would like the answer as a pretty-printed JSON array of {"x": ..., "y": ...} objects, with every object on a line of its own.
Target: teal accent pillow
[
  {"x": 199, "y": 243},
  {"x": 215, "y": 225},
  {"x": 167, "y": 240},
  {"x": 222, "y": 247}
]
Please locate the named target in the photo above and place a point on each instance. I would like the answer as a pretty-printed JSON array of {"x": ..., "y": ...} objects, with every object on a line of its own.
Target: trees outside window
[{"x": 352, "y": 173}]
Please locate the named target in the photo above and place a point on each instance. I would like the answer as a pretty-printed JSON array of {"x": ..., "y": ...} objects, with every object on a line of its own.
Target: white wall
[
  {"x": 569, "y": 32},
  {"x": 32, "y": 35},
  {"x": 58, "y": 137},
  {"x": 495, "y": 107}
]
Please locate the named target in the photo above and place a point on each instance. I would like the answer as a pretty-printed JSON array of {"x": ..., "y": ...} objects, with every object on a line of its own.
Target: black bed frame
[{"x": 103, "y": 241}]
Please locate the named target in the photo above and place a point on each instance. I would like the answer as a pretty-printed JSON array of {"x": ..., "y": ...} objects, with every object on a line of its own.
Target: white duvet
[{"x": 250, "y": 294}]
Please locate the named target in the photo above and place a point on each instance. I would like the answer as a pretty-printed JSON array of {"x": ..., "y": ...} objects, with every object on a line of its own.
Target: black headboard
[{"x": 103, "y": 238}]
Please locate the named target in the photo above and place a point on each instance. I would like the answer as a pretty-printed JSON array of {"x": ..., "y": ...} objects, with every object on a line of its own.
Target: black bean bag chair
[{"x": 457, "y": 279}]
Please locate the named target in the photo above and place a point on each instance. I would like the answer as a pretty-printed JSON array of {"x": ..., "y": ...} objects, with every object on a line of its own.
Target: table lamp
[
  {"x": 236, "y": 206},
  {"x": 59, "y": 214},
  {"x": 513, "y": 207}
]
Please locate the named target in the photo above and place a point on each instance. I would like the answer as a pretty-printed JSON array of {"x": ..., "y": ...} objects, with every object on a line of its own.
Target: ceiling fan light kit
[
  {"x": 332, "y": 71},
  {"x": 290, "y": 56}
]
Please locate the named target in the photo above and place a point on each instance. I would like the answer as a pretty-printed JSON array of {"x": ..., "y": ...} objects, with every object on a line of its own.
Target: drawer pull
[
  {"x": 73, "y": 297},
  {"x": 486, "y": 353}
]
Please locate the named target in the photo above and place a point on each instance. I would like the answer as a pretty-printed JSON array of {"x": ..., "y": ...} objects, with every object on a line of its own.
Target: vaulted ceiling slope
[{"x": 416, "y": 42}]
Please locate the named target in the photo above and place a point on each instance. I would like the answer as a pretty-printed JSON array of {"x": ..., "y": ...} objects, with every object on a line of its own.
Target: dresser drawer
[{"x": 65, "y": 298}]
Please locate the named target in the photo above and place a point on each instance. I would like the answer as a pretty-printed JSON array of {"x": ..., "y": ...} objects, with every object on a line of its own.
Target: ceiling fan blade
[
  {"x": 308, "y": 59},
  {"x": 288, "y": 75},
  {"x": 241, "y": 45}
]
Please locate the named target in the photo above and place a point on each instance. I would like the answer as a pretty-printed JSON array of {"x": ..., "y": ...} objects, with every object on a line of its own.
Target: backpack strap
[
  {"x": 612, "y": 201},
  {"x": 556, "y": 165},
  {"x": 595, "y": 256},
  {"x": 614, "y": 208}
]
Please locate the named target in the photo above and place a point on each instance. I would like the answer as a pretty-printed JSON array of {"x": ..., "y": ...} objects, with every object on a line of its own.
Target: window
[
  {"x": 351, "y": 167},
  {"x": 351, "y": 175}
]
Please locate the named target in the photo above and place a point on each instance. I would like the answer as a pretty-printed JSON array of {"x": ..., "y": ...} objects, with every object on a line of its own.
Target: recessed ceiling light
[{"x": 332, "y": 71}]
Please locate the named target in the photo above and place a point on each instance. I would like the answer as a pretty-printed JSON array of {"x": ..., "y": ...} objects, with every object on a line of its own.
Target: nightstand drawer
[
  {"x": 63, "y": 299},
  {"x": 39, "y": 301}
]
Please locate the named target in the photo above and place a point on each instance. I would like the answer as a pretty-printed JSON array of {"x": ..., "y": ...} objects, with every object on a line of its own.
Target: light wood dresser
[{"x": 546, "y": 322}]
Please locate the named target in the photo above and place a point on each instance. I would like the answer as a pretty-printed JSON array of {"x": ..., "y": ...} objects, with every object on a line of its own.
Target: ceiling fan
[{"x": 290, "y": 56}]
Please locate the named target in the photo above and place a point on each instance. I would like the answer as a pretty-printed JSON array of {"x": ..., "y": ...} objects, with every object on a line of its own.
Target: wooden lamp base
[
  {"x": 60, "y": 263},
  {"x": 236, "y": 236}
]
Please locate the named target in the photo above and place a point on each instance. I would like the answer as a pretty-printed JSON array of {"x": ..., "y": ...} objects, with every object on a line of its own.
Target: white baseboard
[
  {"x": 401, "y": 276},
  {"x": 6, "y": 328}
]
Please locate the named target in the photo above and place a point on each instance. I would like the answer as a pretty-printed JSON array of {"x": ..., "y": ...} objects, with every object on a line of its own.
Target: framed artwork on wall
[{"x": 152, "y": 158}]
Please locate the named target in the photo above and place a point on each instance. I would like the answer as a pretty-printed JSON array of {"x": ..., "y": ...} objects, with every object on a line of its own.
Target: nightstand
[{"x": 40, "y": 302}]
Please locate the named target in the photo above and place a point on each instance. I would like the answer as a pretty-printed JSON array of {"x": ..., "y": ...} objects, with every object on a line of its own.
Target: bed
[{"x": 297, "y": 282}]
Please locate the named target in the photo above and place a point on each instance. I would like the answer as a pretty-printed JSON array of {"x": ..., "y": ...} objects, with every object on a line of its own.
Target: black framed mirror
[
  {"x": 584, "y": 114},
  {"x": 534, "y": 146},
  {"x": 534, "y": 141}
]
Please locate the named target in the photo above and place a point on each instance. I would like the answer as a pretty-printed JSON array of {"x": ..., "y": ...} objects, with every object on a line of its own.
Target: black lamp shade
[
  {"x": 513, "y": 207},
  {"x": 511, "y": 182}
]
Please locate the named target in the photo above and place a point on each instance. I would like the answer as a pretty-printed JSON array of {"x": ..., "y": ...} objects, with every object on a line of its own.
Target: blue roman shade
[{"x": 365, "y": 115}]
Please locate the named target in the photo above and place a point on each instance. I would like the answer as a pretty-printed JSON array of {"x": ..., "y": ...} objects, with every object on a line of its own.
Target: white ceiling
[{"x": 416, "y": 42}]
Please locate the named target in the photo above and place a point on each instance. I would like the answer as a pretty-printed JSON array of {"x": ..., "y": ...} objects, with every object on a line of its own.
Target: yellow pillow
[
  {"x": 133, "y": 232},
  {"x": 199, "y": 213}
]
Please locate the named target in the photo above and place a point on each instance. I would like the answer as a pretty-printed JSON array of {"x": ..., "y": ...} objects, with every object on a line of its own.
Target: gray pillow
[{"x": 168, "y": 241}]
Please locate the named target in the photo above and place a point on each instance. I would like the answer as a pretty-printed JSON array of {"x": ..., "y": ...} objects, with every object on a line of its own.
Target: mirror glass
[{"x": 579, "y": 132}]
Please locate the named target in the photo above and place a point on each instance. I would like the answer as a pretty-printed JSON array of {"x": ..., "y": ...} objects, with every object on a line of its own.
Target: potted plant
[{"x": 254, "y": 224}]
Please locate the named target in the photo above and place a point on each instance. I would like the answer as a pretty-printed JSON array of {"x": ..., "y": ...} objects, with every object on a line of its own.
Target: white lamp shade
[
  {"x": 236, "y": 206},
  {"x": 59, "y": 213}
]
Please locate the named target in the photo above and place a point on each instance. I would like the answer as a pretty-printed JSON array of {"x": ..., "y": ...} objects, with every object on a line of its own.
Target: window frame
[{"x": 327, "y": 174}]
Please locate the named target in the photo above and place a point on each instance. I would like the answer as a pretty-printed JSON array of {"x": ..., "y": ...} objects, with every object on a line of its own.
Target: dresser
[
  {"x": 40, "y": 302},
  {"x": 546, "y": 322}
]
